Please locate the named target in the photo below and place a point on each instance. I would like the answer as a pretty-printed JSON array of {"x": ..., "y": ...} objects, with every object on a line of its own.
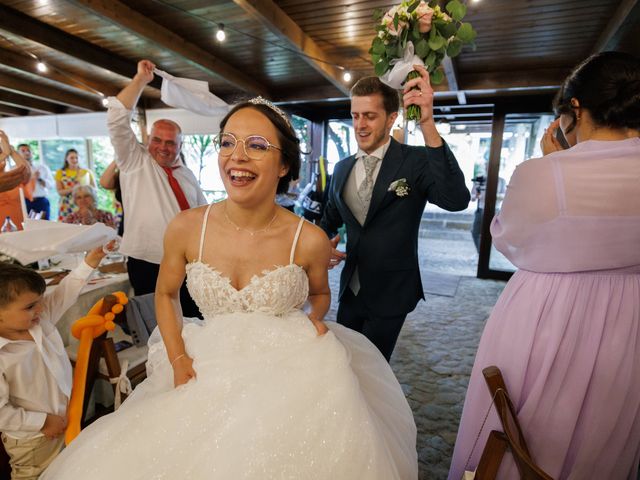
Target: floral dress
[{"x": 69, "y": 179}]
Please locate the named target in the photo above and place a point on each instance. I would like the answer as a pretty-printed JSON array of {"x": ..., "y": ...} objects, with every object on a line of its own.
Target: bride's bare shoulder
[{"x": 313, "y": 240}]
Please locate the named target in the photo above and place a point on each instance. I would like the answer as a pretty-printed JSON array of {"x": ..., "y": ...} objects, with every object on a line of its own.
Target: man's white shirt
[{"x": 148, "y": 201}]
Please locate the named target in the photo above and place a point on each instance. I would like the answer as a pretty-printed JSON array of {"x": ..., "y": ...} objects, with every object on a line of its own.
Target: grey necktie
[
  {"x": 364, "y": 193},
  {"x": 366, "y": 187}
]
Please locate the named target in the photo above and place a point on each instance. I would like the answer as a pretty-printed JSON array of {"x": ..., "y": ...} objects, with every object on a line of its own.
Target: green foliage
[
  {"x": 454, "y": 48},
  {"x": 447, "y": 36},
  {"x": 436, "y": 77},
  {"x": 466, "y": 33},
  {"x": 456, "y": 9}
]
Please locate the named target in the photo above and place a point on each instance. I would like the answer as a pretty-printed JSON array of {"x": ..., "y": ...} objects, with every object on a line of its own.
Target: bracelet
[{"x": 177, "y": 358}]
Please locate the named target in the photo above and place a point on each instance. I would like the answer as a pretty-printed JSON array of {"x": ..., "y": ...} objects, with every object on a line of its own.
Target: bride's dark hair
[{"x": 289, "y": 142}]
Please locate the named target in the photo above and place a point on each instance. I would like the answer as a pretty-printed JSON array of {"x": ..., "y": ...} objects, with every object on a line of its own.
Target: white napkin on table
[{"x": 42, "y": 239}]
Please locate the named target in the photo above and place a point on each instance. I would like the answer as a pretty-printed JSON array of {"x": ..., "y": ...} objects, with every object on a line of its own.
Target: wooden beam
[
  {"x": 140, "y": 25},
  {"x": 25, "y": 26},
  {"x": 281, "y": 25},
  {"x": 607, "y": 39},
  {"x": 29, "y": 103},
  {"x": 46, "y": 92},
  {"x": 450, "y": 72},
  {"x": 12, "y": 111},
  {"x": 24, "y": 63},
  {"x": 505, "y": 80}
]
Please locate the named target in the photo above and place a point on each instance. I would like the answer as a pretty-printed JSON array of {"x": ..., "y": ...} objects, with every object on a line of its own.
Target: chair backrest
[
  {"x": 140, "y": 318},
  {"x": 512, "y": 436}
]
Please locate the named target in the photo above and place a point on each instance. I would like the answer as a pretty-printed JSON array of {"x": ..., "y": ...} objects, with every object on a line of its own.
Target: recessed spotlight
[
  {"x": 42, "y": 67},
  {"x": 346, "y": 77},
  {"x": 105, "y": 102}
]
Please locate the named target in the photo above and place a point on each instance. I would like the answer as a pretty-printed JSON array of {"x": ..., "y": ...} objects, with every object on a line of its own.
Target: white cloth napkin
[
  {"x": 41, "y": 239},
  {"x": 192, "y": 95},
  {"x": 396, "y": 77}
]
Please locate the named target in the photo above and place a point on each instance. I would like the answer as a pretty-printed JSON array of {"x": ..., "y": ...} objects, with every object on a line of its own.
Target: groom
[{"x": 380, "y": 194}]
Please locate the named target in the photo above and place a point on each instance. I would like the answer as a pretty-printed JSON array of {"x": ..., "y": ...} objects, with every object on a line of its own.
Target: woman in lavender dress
[{"x": 566, "y": 330}]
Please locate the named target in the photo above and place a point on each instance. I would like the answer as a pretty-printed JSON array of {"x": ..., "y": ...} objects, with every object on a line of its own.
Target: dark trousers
[
  {"x": 39, "y": 204},
  {"x": 381, "y": 331},
  {"x": 143, "y": 276}
]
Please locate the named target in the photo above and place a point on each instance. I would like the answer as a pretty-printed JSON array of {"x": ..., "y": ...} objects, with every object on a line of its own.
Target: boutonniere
[{"x": 400, "y": 187}]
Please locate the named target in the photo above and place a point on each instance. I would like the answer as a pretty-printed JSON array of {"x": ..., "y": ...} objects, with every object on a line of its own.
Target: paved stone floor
[{"x": 436, "y": 349}]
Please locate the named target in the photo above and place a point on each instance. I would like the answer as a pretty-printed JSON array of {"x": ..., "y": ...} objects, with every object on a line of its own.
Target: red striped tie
[{"x": 177, "y": 189}]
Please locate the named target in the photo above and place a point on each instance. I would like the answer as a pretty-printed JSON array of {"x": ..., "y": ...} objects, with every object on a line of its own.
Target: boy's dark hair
[
  {"x": 373, "y": 86},
  {"x": 15, "y": 279}
]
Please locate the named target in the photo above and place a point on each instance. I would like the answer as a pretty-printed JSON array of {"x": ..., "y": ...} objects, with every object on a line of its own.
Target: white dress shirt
[
  {"x": 46, "y": 177},
  {"x": 148, "y": 201},
  {"x": 360, "y": 173},
  {"x": 35, "y": 375}
]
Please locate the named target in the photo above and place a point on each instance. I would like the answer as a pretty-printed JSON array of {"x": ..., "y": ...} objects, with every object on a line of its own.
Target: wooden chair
[
  {"x": 510, "y": 439},
  {"x": 104, "y": 361}
]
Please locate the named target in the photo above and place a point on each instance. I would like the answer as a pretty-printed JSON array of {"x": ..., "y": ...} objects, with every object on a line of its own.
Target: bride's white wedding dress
[{"x": 272, "y": 400}]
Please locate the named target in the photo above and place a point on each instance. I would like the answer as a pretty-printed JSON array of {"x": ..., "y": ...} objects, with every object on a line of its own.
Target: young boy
[{"x": 35, "y": 373}]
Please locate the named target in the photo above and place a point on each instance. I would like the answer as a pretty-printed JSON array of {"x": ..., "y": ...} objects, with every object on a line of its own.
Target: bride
[{"x": 260, "y": 389}]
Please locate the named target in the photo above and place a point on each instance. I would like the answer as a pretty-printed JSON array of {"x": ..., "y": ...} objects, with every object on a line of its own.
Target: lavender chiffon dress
[{"x": 566, "y": 330}]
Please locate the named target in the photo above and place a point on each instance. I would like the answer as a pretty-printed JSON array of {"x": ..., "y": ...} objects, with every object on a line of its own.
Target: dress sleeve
[{"x": 530, "y": 202}]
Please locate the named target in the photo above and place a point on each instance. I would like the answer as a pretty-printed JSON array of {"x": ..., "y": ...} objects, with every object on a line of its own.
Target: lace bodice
[{"x": 275, "y": 292}]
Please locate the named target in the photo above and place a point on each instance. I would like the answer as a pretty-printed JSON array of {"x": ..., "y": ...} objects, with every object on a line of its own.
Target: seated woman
[
  {"x": 260, "y": 389},
  {"x": 70, "y": 175},
  {"x": 87, "y": 213},
  {"x": 566, "y": 330}
]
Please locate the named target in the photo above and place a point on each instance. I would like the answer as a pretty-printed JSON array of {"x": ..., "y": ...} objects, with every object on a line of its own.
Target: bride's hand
[
  {"x": 183, "y": 370},
  {"x": 320, "y": 327}
]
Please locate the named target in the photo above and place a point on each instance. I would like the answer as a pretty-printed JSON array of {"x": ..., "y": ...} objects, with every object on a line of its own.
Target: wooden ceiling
[{"x": 292, "y": 51}]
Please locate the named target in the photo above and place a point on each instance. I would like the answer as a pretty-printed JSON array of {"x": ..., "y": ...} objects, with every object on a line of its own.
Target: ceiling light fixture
[
  {"x": 42, "y": 67},
  {"x": 346, "y": 76},
  {"x": 220, "y": 35},
  {"x": 105, "y": 102}
]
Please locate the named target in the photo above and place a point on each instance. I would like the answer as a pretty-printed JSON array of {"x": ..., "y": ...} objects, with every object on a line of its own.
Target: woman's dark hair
[
  {"x": 15, "y": 279},
  {"x": 607, "y": 84},
  {"x": 66, "y": 155},
  {"x": 289, "y": 142}
]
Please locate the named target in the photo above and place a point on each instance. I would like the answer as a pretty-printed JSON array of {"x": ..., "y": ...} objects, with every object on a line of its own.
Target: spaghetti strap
[
  {"x": 295, "y": 240},
  {"x": 204, "y": 229}
]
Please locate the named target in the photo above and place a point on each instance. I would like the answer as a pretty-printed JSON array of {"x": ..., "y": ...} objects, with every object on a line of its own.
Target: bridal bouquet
[{"x": 417, "y": 32}]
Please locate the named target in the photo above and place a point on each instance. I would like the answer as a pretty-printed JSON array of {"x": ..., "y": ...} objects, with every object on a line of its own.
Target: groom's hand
[{"x": 336, "y": 255}]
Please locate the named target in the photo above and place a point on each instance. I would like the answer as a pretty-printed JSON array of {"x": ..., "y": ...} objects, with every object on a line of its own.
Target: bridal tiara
[{"x": 263, "y": 101}]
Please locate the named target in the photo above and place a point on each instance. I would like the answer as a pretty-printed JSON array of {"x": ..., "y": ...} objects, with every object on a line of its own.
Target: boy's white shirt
[{"x": 36, "y": 376}]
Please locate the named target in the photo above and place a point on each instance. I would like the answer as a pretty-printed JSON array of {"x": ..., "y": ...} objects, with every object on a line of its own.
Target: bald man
[{"x": 155, "y": 185}]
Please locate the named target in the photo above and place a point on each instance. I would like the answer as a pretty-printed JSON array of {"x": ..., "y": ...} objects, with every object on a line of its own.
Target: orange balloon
[{"x": 86, "y": 329}]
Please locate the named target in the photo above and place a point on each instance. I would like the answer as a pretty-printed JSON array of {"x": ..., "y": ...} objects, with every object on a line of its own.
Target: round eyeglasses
[{"x": 255, "y": 146}]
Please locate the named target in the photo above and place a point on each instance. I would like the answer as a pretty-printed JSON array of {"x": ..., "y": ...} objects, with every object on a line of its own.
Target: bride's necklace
[{"x": 250, "y": 232}]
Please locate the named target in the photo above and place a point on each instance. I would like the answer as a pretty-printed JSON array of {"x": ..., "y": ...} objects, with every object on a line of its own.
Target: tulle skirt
[{"x": 272, "y": 400}]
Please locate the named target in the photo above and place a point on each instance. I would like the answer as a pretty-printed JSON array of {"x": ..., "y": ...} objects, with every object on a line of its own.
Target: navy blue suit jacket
[{"x": 385, "y": 248}]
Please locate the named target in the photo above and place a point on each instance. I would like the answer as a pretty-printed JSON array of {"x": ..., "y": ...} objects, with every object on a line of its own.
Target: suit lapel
[
  {"x": 390, "y": 164},
  {"x": 347, "y": 214}
]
